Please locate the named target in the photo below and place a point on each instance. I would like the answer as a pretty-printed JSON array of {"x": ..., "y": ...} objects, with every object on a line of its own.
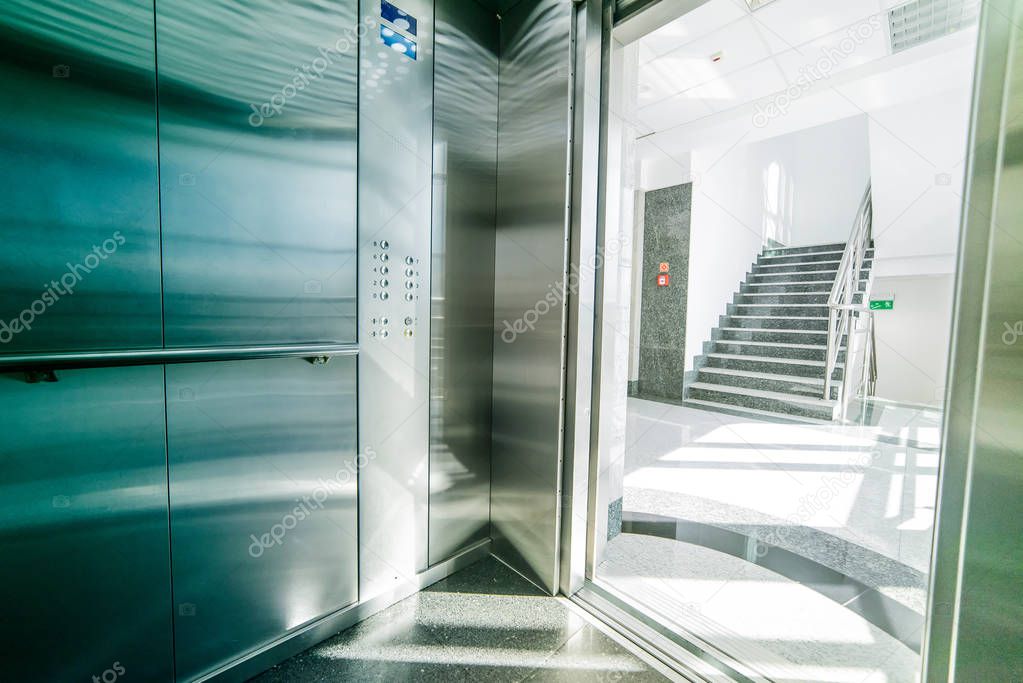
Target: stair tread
[
  {"x": 780, "y": 317},
  {"x": 770, "y": 359},
  {"x": 786, "y": 294},
  {"x": 797, "y": 282},
  {"x": 807, "y": 253},
  {"x": 770, "y": 343},
  {"x": 718, "y": 407},
  {"x": 764, "y": 393},
  {"x": 772, "y": 330},
  {"x": 784, "y": 305},
  {"x": 807, "y": 263},
  {"x": 800, "y": 272},
  {"x": 754, "y": 374}
]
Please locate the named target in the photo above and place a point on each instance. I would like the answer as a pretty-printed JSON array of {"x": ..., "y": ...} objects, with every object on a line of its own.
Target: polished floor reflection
[
  {"x": 484, "y": 623},
  {"x": 799, "y": 549}
]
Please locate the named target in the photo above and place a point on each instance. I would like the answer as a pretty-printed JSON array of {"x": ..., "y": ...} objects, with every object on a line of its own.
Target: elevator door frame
[{"x": 582, "y": 463}]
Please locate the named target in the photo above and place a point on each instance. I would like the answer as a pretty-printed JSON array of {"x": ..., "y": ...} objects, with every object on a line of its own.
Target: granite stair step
[
  {"x": 811, "y": 249},
  {"x": 819, "y": 298},
  {"x": 780, "y": 287},
  {"x": 780, "y": 310},
  {"x": 781, "y": 336},
  {"x": 749, "y": 379},
  {"x": 805, "y": 258},
  {"x": 817, "y": 323},
  {"x": 753, "y": 413},
  {"x": 759, "y": 399},
  {"x": 776, "y": 366},
  {"x": 774, "y": 350},
  {"x": 803, "y": 267},
  {"x": 755, "y": 278}
]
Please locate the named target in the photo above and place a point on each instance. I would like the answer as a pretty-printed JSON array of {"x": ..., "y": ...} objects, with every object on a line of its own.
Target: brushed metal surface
[
  {"x": 262, "y": 502},
  {"x": 590, "y": 255},
  {"x": 975, "y": 620},
  {"x": 257, "y": 106},
  {"x": 531, "y": 262},
  {"x": 462, "y": 274},
  {"x": 79, "y": 219},
  {"x": 83, "y": 527},
  {"x": 395, "y": 183},
  {"x": 100, "y": 359}
]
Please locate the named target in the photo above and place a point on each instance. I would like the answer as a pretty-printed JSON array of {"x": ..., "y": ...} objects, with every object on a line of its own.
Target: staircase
[{"x": 767, "y": 357}]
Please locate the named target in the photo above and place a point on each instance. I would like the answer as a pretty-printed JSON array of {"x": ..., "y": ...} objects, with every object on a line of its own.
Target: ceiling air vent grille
[{"x": 922, "y": 20}]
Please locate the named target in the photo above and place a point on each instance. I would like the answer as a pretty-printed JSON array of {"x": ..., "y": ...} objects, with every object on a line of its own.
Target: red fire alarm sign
[
  {"x": 663, "y": 280},
  {"x": 664, "y": 267}
]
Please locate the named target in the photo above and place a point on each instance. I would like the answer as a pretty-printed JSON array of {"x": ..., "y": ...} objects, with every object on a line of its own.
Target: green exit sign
[{"x": 882, "y": 304}]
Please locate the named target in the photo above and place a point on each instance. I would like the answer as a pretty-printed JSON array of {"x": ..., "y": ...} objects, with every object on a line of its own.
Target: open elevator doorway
[{"x": 784, "y": 186}]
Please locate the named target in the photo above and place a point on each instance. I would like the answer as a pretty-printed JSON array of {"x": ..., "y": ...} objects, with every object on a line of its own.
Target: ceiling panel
[
  {"x": 673, "y": 112},
  {"x": 835, "y": 53},
  {"x": 800, "y": 21},
  {"x": 746, "y": 85},
  {"x": 692, "y": 26}
]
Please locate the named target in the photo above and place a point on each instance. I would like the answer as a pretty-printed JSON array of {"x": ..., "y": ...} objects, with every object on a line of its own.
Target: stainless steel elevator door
[
  {"x": 258, "y": 106},
  {"x": 530, "y": 286},
  {"x": 83, "y": 526},
  {"x": 462, "y": 311},
  {"x": 263, "y": 502},
  {"x": 80, "y": 267}
]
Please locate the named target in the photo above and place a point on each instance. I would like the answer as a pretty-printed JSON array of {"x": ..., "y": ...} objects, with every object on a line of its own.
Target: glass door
[{"x": 784, "y": 186}]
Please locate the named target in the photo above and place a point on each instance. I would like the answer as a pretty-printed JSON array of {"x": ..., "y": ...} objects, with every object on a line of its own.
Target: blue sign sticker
[
  {"x": 402, "y": 20},
  {"x": 398, "y": 42}
]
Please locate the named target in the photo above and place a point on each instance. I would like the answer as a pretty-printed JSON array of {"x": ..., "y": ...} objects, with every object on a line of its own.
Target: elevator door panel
[
  {"x": 257, "y": 166},
  {"x": 79, "y": 211},
  {"x": 263, "y": 502},
  {"x": 462, "y": 317},
  {"x": 83, "y": 526}
]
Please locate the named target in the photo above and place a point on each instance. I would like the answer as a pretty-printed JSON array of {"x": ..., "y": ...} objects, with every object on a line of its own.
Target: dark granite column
[{"x": 662, "y": 339}]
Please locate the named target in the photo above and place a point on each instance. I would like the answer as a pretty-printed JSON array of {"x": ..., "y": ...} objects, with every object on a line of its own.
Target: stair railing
[{"x": 842, "y": 303}]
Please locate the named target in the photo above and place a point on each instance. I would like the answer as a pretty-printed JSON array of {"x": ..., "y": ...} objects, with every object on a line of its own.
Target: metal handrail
[
  {"x": 159, "y": 356},
  {"x": 841, "y": 303}
]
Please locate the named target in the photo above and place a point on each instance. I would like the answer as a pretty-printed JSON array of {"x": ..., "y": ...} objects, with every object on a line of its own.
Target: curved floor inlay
[{"x": 889, "y": 615}]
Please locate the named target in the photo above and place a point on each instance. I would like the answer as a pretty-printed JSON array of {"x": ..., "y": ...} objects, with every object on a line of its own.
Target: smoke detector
[
  {"x": 919, "y": 21},
  {"x": 754, "y": 5}
]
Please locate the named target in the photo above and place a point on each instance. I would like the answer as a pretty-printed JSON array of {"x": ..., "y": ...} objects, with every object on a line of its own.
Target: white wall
[
  {"x": 798, "y": 189},
  {"x": 913, "y": 339},
  {"x": 918, "y": 155},
  {"x": 721, "y": 245}
]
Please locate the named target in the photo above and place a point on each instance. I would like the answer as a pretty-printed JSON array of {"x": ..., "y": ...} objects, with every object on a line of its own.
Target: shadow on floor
[{"x": 484, "y": 623}]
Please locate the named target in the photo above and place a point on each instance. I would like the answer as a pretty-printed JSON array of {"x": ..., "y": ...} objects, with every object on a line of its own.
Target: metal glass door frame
[
  {"x": 978, "y": 528},
  {"x": 992, "y": 148}
]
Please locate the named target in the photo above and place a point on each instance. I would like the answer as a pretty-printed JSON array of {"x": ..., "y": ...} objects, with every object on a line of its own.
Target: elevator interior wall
[
  {"x": 462, "y": 315},
  {"x": 529, "y": 300}
]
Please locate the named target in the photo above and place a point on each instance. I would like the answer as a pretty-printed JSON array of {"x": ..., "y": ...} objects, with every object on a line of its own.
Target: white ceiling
[
  {"x": 762, "y": 52},
  {"x": 685, "y": 99}
]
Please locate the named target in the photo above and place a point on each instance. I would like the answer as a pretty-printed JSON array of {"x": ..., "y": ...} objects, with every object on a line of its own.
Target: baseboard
[{"x": 328, "y": 626}]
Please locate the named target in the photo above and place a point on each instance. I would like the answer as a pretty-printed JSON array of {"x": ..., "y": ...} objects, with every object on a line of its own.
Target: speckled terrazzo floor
[{"x": 484, "y": 623}]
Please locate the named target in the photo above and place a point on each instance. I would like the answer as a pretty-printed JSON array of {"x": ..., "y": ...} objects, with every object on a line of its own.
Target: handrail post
[
  {"x": 827, "y": 354},
  {"x": 843, "y": 297}
]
